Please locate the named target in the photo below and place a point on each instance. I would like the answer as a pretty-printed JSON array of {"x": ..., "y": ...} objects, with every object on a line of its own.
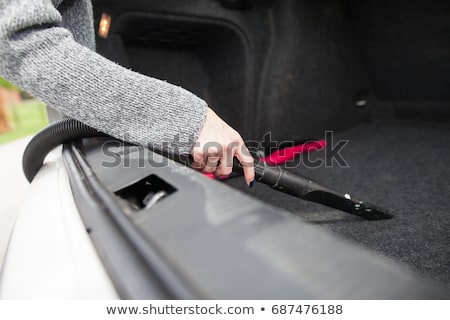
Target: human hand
[{"x": 216, "y": 147}]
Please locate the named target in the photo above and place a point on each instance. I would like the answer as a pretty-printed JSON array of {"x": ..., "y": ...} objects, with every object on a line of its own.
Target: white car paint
[{"x": 50, "y": 254}]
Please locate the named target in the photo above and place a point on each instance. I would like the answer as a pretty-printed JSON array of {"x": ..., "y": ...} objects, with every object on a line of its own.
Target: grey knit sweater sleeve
[{"x": 45, "y": 60}]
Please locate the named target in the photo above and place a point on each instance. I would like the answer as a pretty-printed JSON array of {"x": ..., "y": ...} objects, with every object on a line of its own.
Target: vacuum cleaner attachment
[
  {"x": 276, "y": 177},
  {"x": 304, "y": 188}
]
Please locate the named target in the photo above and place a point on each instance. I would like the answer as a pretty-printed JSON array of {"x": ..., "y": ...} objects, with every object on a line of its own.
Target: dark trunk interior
[{"x": 375, "y": 73}]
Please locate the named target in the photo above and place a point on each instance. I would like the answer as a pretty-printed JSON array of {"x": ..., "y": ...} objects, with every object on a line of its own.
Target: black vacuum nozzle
[
  {"x": 307, "y": 189},
  {"x": 276, "y": 177}
]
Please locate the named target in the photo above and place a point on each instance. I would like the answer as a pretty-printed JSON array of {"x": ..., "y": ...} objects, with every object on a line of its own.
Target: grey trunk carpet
[{"x": 401, "y": 166}]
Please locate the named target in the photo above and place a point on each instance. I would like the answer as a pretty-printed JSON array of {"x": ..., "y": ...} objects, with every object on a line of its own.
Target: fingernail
[{"x": 251, "y": 183}]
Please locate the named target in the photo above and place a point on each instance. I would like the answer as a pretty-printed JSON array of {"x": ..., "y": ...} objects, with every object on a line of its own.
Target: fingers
[
  {"x": 211, "y": 164},
  {"x": 198, "y": 162},
  {"x": 247, "y": 162},
  {"x": 240, "y": 151},
  {"x": 217, "y": 145},
  {"x": 211, "y": 157},
  {"x": 225, "y": 166},
  {"x": 219, "y": 160}
]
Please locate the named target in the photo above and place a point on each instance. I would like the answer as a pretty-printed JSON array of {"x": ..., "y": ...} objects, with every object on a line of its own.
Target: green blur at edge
[{"x": 29, "y": 117}]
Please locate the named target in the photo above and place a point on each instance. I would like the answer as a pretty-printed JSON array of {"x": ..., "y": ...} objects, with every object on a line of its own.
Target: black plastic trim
[{"x": 136, "y": 268}]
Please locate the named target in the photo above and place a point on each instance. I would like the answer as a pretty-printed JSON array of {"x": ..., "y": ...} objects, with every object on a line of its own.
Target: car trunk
[{"x": 374, "y": 74}]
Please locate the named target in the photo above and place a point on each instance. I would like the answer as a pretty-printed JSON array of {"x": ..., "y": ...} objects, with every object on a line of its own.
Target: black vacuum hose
[
  {"x": 50, "y": 137},
  {"x": 276, "y": 177}
]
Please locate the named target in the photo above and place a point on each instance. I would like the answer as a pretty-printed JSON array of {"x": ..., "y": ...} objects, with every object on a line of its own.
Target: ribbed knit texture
[{"x": 63, "y": 70}]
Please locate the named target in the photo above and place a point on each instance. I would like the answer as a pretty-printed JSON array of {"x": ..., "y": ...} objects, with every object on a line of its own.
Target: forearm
[{"x": 47, "y": 62}]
